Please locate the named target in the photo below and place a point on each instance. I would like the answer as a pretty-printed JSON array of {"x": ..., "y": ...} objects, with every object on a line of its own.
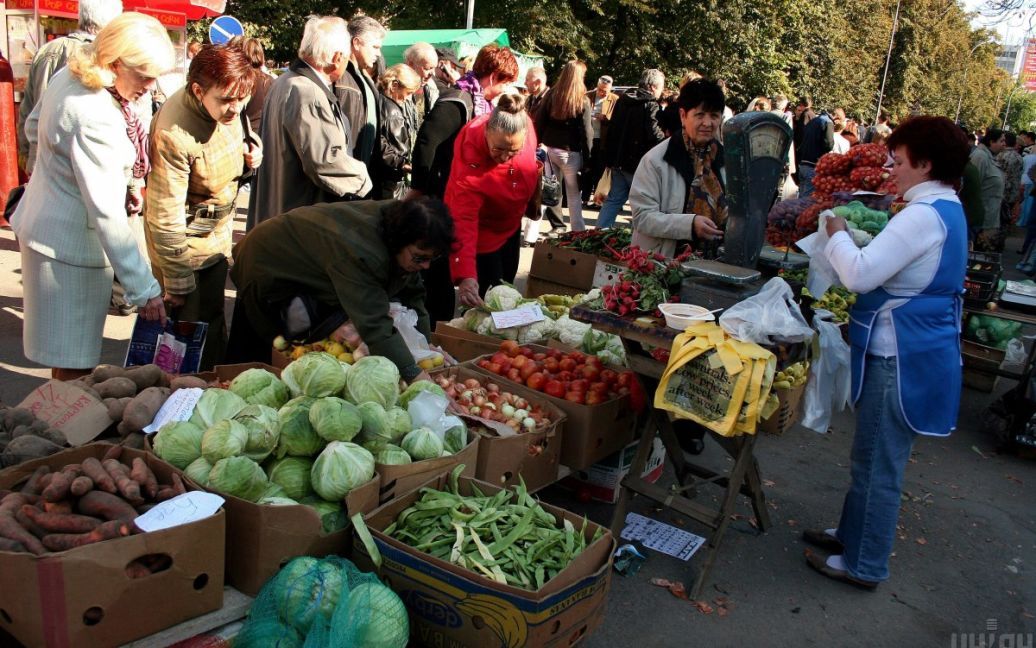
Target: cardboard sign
[
  {"x": 180, "y": 510},
  {"x": 607, "y": 272},
  {"x": 78, "y": 415},
  {"x": 522, "y": 316}
]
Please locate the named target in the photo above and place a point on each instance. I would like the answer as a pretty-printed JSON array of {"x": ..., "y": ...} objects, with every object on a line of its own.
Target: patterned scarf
[
  {"x": 705, "y": 195},
  {"x": 469, "y": 83},
  {"x": 137, "y": 137}
]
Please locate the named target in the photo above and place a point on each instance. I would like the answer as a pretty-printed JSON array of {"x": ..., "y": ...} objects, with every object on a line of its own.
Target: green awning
[{"x": 464, "y": 42}]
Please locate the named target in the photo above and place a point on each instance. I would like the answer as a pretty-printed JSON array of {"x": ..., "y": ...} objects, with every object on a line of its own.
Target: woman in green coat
[{"x": 337, "y": 261}]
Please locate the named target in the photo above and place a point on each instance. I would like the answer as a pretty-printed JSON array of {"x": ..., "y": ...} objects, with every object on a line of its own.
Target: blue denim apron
[{"x": 927, "y": 331}]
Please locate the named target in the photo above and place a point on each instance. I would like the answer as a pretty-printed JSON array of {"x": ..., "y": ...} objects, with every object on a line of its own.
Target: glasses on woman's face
[{"x": 421, "y": 259}]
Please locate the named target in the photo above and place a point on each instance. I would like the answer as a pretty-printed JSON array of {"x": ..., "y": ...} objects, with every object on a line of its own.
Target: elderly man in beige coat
[{"x": 304, "y": 136}]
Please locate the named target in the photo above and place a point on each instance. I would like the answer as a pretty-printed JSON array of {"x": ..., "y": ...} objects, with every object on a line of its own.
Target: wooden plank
[{"x": 235, "y": 607}]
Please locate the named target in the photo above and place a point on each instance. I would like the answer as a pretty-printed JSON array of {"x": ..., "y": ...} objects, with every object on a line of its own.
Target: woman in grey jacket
[{"x": 71, "y": 222}]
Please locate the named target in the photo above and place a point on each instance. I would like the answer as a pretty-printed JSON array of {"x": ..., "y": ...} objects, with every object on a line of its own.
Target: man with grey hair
[
  {"x": 356, "y": 91},
  {"x": 536, "y": 84},
  {"x": 421, "y": 58},
  {"x": 305, "y": 140},
  {"x": 93, "y": 16},
  {"x": 633, "y": 131}
]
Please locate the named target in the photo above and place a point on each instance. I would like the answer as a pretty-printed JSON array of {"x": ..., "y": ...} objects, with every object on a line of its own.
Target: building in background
[
  {"x": 1010, "y": 59},
  {"x": 1028, "y": 73}
]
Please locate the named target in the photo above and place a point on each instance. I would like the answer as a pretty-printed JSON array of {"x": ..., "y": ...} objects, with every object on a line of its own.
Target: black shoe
[
  {"x": 819, "y": 563},
  {"x": 820, "y": 538}
]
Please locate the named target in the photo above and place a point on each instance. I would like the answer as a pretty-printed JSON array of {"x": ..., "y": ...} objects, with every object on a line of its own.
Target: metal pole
[
  {"x": 471, "y": 14},
  {"x": 888, "y": 60},
  {"x": 964, "y": 84}
]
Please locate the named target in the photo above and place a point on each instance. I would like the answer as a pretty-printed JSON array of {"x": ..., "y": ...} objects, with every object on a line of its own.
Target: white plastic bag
[
  {"x": 830, "y": 378},
  {"x": 405, "y": 321},
  {"x": 767, "y": 316},
  {"x": 1014, "y": 356},
  {"x": 821, "y": 274},
  {"x": 428, "y": 410}
]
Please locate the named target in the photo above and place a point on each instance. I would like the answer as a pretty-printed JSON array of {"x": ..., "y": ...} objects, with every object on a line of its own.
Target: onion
[
  {"x": 521, "y": 403},
  {"x": 465, "y": 396},
  {"x": 511, "y": 423},
  {"x": 529, "y": 424},
  {"x": 489, "y": 406},
  {"x": 444, "y": 382},
  {"x": 472, "y": 383},
  {"x": 474, "y": 411},
  {"x": 493, "y": 387},
  {"x": 507, "y": 410},
  {"x": 479, "y": 400},
  {"x": 520, "y": 414},
  {"x": 451, "y": 391}
]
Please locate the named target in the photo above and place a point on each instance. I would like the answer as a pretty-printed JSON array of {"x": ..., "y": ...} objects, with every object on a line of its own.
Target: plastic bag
[
  {"x": 428, "y": 409},
  {"x": 405, "y": 321},
  {"x": 770, "y": 315},
  {"x": 830, "y": 381},
  {"x": 821, "y": 274},
  {"x": 1014, "y": 356}
]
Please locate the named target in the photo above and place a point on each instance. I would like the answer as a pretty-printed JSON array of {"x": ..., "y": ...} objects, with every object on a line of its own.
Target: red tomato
[
  {"x": 536, "y": 381},
  {"x": 608, "y": 376},
  {"x": 483, "y": 363},
  {"x": 555, "y": 353},
  {"x": 579, "y": 385},
  {"x": 551, "y": 364},
  {"x": 495, "y": 368},
  {"x": 578, "y": 356},
  {"x": 514, "y": 374},
  {"x": 509, "y": 347},
  {"x": 626, "y": 378},
  {"x": 591, "y": 372},
  {"x": 539, "y": 357},
  {"x": 567, "y": 364},
  {"x": 576, "y": 397},
  {"x": 527, "y": 352},
  {"x": 595, "y": 398},
  {"x": 554, "y": 388},
  {"x": 594, "y": 361},
  {"x": 565, "y": 376},
  {"x": 500, "y": 357},
  {"x": 519, "y": 361},
  {"x": 528, "y": 369},
  {"x": 599, "y": 387}
]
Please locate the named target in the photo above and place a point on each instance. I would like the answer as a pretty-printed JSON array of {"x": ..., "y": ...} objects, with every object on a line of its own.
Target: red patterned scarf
[{"x": 137, "y": 136}]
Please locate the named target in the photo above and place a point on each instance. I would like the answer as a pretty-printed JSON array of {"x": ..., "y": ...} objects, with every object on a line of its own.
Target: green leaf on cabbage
[
  {"x": 261, "y": 423},
  {"x": 216, "y": 405},
  {"x": 179, "y": 443},
  {"x": 296, "y": 435},
  {"x": 398, "y": 423},
  {"x": 260, "y": 387},
  {"x": 198, "y": 471},
  {"x": 335, "y": 419},
  {"x": 238, "y": 476},
  {"x": 392, "y": 455},
  {"x": 293, "y": 475},
  {"x": 223, "y": 439},
  {"x": 314, "y": 375},
  {"x": 423, "y": 443}
]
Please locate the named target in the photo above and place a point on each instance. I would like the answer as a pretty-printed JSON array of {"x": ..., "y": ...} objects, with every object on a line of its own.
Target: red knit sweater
[{"x": 486, "y": 199}]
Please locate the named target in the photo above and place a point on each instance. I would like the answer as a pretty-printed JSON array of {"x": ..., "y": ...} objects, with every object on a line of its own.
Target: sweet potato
[
  {"x": 145, "y": 376},
  {"x": 143, "y": 475},
  {"x": 105, "y": 505},
  {"x": 81, "y": 485},
  {"x": 134, "y": 440},
  {"x": 16, "y": 416},
  {"x": 116, "y": 388},
  {"x": 187, "y": 382},
  {"x": 57, "y": 490},
  {"x": 114, "y": 452},
  {"x": 33, "y": 485},
  {"x": 30, "y": 446},
  {"x": 11, "y": 529},
  {"x": 105, "y": 372},
  {"x": 93, "y": 469},
  {"x": 137, "y": 570},
  {"x": 27, "y": 523},
  {"x": 165, "y": 493},
  {"x": 116, "y": 407},
  {"x": 178, "y": 485},
  {"x": 128, "y": 488},
  {"x": 106, "y": 531},
  {"x": 61, "y": 522},
  {"x": 11, "y": 545},
  {"x": 144, "y": 406},
  {"x": 64, "y": 506}
]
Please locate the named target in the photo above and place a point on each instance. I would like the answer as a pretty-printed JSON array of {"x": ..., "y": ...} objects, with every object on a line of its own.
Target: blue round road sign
[{"x": 223, "y": 29}]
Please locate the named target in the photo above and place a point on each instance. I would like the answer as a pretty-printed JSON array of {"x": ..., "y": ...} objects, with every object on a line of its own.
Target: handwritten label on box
[
  {"x": 606, "y": 273},
  {"x": 177, "y": 407},
  {"x": 80, "y": 416},
  {"x": 522, "y": 316},
  {"x": 182, "y": 509}
]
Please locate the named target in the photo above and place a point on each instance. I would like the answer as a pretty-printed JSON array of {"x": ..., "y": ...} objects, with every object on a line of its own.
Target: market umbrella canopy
[{"x": 193, "y": 9}]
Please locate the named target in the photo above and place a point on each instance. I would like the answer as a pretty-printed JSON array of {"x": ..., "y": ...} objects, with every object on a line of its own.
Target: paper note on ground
[
  {"x": 522, "y": 316},
  {"x": 661, "y": 536},
  {"x": 177, "y": 407},
  {"x": 182, "y": 509}
]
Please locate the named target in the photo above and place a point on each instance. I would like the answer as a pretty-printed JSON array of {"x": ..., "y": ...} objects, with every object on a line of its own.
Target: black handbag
[
  {"x": 13, "y": 198},
  {"x": 550, "y": 186}
]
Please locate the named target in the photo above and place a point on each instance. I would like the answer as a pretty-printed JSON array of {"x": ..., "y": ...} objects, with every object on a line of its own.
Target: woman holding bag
[{"x": 904, "y": 333}]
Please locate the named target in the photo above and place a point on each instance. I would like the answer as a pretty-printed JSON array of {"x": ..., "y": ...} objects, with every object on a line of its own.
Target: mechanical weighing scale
[{"x": 755, "y": 153}]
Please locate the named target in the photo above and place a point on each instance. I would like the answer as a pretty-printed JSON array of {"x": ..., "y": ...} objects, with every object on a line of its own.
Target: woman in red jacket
[{"x": 492, "y": 180}]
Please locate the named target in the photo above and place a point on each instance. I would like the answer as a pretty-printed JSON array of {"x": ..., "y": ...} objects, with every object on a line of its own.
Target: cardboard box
[
  {"x": 226, "y": 373},
  {"x": 79, "y": 415},
  {"x": 279, "y": 359},
  {"x": 262, "y": 538},
  {"x": 563, "y": 266},
  {"x": 533, "y": 456},
  {"x": 603, "y": 480},
  {"x": 462, "y": 344},
  {"x": 441, "y": 598},
  {"x": 398, "y": 480},
  {"x": 592, "y": 432},
  {"x": 788, "y": 412},
  {"x": 607, "y": 272},
  {"x": 534, "y": 287},
  {"x": 55, "y": 599}
]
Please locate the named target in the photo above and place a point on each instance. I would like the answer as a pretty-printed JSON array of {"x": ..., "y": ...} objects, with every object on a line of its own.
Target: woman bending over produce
[
  {"x": 348, "y": 260},
  {"x": 71, "y": 223},
  {"x": 904, "y": 330}
]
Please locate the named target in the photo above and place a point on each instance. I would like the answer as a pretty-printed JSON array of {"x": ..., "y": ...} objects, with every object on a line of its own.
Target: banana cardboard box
[{"x": 451, "y": 606}]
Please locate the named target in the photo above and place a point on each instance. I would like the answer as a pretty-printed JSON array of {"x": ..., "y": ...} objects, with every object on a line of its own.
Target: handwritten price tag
[
  {"x": 177, "y": 407},
  {"x": 182, "y": 509},
  {"x": 522, "y": 316}
]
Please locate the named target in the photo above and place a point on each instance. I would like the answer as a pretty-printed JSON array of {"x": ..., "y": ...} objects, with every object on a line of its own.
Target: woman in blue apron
[{"x": 904, "y": 332}]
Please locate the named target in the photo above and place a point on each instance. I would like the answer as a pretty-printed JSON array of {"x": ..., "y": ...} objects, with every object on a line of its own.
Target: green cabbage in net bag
[
  {"x": 238, "y": 476},
  {"x": 422, "y": 443},
  {"x": 308, "y": 587},
  {"x": 179, "y": 443},
  {"x": 224, "y": 439},
  {"x": 416, "y": 388},
  {"x": 341, "y": 467},
  {"x": 216, "y": 405},
  {"x": 379, "y": 617},
  {"x": 315, "y": 375},
  {"x": 198, "y": 471},
  {"x": 263, "y": 431},
  {"x": 335, "y": 419},
  {"x": 268, "y": 633},
  {"x": 398, "y": 423},
  {"x": 296, "y": 434},
  {"x": 260, "y": 387},
  {"x": 373, "y": 379},
  {"x": 292, "y": 474}
]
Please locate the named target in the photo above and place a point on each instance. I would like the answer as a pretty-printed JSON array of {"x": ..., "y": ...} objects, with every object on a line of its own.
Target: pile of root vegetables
[{"x": 81, "y": 503}]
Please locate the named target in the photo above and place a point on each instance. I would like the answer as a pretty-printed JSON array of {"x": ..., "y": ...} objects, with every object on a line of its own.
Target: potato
[
  {"x": 145, "y": 376},
  {"x": 20, "y": 431},
  {"x": 117, "y": 407},
  {"x": 5, "y": 438},
  {"x": 123, "y": 428},
  {"x": 187, "y": 382},
  {"x": 31, "y": 447},
  {"x": 134, "y": 440},
  {"x": 116, "y": 388},
  {"x": 17, "y": 416},
  {"x": 143, "y": 408},
  {"x": 104, "y": 372},
  {"x": 39, "y": 425},
  {"x": 53, "y": 435}
]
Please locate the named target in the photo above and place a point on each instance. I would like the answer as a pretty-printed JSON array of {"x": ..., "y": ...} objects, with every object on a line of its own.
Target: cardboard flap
[{"x": 78, "y": 415}]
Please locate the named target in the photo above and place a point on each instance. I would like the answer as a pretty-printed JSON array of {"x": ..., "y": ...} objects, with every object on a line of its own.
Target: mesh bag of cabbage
[{"x": 315, "y": 602}]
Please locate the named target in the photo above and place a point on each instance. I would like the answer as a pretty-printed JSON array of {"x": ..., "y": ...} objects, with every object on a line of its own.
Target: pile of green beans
[{"x": 507, "y": 537}]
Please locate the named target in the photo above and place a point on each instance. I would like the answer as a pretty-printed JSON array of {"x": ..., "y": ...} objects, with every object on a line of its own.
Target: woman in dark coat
[{"x": 397, "y": 121}]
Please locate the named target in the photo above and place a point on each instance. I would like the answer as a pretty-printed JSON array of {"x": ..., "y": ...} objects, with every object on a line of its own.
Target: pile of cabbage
[
  {"x": 309, "y": 437},
  {"x": 568, "y": 331}
]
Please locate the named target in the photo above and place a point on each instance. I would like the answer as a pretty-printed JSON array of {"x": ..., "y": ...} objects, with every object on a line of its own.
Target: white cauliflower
[
  {"x": 537, "y": 333},
  {"x": 588, "y": 297},
  {"x": 570, "y": 332},
  {"x": 458, "y": 322},
  {"x": 473, "y": 319},
  {"x": 502, "y": 297}
]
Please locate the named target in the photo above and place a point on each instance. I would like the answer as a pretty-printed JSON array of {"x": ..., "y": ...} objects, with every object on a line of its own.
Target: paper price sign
[
  {"x": 182, "y": 509},
  {"x": 522, "y": 316}
]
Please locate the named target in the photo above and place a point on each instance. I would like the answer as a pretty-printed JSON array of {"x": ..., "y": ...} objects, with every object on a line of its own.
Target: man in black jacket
[
  {"x": 356, "y": 92},
  {"x": 818, "y": 138},
  {"x": 633, "y": 131}
]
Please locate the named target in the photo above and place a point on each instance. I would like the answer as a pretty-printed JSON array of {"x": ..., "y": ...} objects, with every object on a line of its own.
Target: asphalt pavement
[{"x": 964, "y": 567}]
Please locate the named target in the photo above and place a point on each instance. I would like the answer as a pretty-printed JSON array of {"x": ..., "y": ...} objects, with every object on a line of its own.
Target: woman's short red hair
[
  {"x": 937, "y": 140},
  {"x": 493, "y": 58},
  {"x": 220, "y": 66}
]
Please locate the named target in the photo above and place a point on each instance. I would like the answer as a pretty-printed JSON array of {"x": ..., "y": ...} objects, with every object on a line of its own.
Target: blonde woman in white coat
[{"x": 71, "y": 222}]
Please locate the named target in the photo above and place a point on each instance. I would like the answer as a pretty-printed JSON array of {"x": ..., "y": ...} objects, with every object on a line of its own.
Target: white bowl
[{"x": 680, "y": 316}]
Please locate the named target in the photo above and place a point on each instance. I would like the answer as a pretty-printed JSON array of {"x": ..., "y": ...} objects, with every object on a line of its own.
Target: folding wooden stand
[{"x": 741, "y": 479}]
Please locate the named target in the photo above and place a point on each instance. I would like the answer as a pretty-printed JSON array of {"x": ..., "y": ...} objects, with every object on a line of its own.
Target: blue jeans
[
  {"x": 617, "y": 197},
  {"x": 881, "y": 448},
  {"x": 806, "y": 173}
]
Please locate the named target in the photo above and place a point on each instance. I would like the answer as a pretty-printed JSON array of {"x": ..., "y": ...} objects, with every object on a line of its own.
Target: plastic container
[{"x": 680, "y": 316}]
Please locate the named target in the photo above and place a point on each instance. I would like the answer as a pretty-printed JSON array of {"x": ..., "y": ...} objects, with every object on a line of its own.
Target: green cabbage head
[
  {"x": 422, "y": 443},
  {"x": 378, "y": 616},
  {"x": 335, "y": 419},
  {"x": 238, "y": 476},
  {"x": 292, "y": 474},
  {"x": 373, "y": 379},
  {"x": 341, "y": 467},
  {"x": 226, "y": 438},
  {"x": 263, "y": 432},
  {"x": 315, "y": 375},
  {"x": 216, "y": 405},
  {"x": 398, "y": 423},
  {"x": 392, "y": 455},
  {"x": 297, "y": 436},
  {"x": 179, "y": 443},
  {"x": 260, "y": 387},
  {"x": 198, "y": 471}
]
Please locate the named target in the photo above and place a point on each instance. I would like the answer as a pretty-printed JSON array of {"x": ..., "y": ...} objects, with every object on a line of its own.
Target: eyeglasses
[{"x": 424, "y": 258}]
